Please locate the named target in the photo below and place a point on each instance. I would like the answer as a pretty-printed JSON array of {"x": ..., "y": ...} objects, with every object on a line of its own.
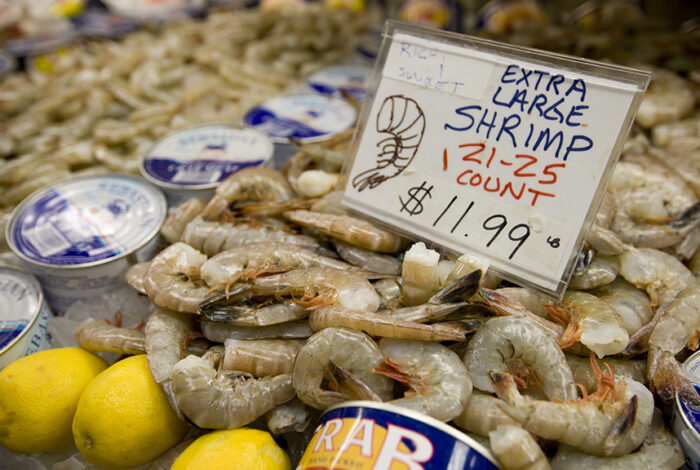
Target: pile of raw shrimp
[
  {"x": 99, "y": 106},
  {"x": 273, "y": 307}
]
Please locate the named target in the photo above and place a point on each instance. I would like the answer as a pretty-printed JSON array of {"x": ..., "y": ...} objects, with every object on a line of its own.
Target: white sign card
[{"x": 497, "y": 150}]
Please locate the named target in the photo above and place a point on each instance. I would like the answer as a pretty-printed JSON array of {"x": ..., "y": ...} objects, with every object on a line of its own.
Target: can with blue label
[
  {"x": 365, "y": 435},
  {"x": 192, "y": 162},
  {"x": 686, "y": 420},
  {"x": 24, "y": 316},
  {"x": 334, "y": 80},
  {"x": 80, "y": 235},
  {"x": 307, "y": 117}
]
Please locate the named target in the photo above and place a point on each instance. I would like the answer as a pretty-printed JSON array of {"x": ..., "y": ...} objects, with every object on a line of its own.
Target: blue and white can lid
[
  {"x": 308, "y": 117},
  {"x": 349, "y": 78},
  {"x": 86, "y": 221},
  {"x": 33, "y": 45},
  {"x": 203, "y": 156},
  {"x": 21, "y": 300},
  {"x": 102, "y": 24}
]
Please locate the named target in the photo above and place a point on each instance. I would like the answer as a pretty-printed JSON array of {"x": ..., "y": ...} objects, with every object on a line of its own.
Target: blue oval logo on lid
[
  {"x": 351, "y": 79},
  {"x": 306, "y": 117},
  {"x": 86, "y": 220},
  {"x": 20, "y": 300},
  {"x": 203, "y": 156}
]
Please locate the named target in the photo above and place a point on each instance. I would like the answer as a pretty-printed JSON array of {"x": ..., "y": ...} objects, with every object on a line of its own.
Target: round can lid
[
  {"x": 691, "y": 416},
  {"x": 84, "y": 221},
  {"x": 161, "y": 10},
  {"x": 308, "y": 117},
  {"x": 203, "y": 156},
  {"x": 20, "y": 302},
  {"x": 349, "y": 78}
]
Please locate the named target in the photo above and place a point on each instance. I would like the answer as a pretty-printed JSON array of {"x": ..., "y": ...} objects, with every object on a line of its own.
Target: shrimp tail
[
  {"x": 670, "y": 378},
  {"x": 458, "y": 291},
  {"x": 349, "y": 384},
  {"x": 687, "y": 218},
  {"x": 571, "y": 334},
  {"x": 505, "y": 386},
  {"x": 639, "y": 341},
  {"x": 623, "y": 423}
]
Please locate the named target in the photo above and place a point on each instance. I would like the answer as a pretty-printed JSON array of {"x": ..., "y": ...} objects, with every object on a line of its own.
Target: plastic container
[
  {"x": 24, "y": 316},
  {"x": 686, "y": 420},
  {"x": 79, "y": 236},
  {"x": 192, "y": 162}
]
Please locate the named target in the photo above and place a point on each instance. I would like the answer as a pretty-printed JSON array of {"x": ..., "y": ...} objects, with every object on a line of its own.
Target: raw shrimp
[
  {"x": 316, "y": 183},
  {"x": 225, "y": 400},
  {"x": 668, "y": 98},
  {"x": 660, "y": 451},
  {"x": 350, "y": 229},
  {"x": 517, "y": 344},
  {"x": 419, "y": 274},
  {"x": 259, "y": 258},
  {"x": 180, "y": 216},
  {"x": 173, "y": 281},
  {"x": 220, "y": 332},
  {"x": 600, "y": 237},
  {"x": 366, "y": 259},
  {"x": 602, "y": 270},
  {"x": 631, "y": 304},
  {"x": 250, "y": 313},
  {"x": 678, "y": 327},
  {"x": 353, "y": 351},
  {"x": 319, "y": 287},
  {"x": 291, "y": 417},
  {"x": 660, "y": 274},
  {"x": 214, "y": 237},
  {"x": 635, "y": 369},
  {"x": 439, "y": 384},
  {"x": 532, "y": 300},
  {"x": 322, "y": 154},
  {"x": 613, "y": 421},
  {"x": 483, "y": 414},
  {"x": 135, "y": 274},
  {"x": 379, "y": 324},
  {"x": 166, "y": 336},
  {"x": 249, "y": 184},
  {"x": 468, "y": 263},
  {"x": 516, "y": 449},
  {"x": 592, "y": 321},
  {"x": 261, "y": 357},
  {"x": 102, "y": 336}
]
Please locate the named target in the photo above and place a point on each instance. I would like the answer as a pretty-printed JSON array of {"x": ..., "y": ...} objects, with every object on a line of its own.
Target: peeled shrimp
[
  {"x": 249, "y": 184},
  {"x": 518, "y": 345},
  {"x": 262, "y": 357},
  {"x": 214, "y": 237},
  {"x": 225, "y": 400},
  {"x": 173, "y": 281},
  {"x": 101, "y": 336},
  {"x": 516, "y": 449},
  {"x": 353, "y": 351},
  {"x": 180, "y": 216},
  {"x": 613, "y": 421},
  {"x": 350, "y": 229},
  {"x": 439, "y": 384}
]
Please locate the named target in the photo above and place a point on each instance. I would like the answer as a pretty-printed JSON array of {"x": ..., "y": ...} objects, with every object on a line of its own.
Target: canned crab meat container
[
  {"x": 686, "y": 420},
  {"x": 331, "y": 81},
  {"x": 368, "y": 435},
  {"x": 80, "y": 235},
  {"x": 192, "y": 162},
  {"x": 308, "y": 117},
  {"x": 24, "y": 316}
]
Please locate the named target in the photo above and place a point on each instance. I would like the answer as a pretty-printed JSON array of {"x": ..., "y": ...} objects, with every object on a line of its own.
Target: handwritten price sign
[{"x": 481, "y": 147}]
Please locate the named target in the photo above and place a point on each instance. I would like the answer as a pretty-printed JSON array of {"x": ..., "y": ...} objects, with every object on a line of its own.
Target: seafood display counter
[{"x": 260, "y": 302}]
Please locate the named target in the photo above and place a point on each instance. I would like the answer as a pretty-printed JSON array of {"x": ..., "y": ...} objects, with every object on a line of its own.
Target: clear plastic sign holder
[{"x": 501, "y": 151}]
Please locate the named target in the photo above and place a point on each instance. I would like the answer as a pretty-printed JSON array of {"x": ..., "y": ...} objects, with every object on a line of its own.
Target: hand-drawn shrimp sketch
[{"x": 404, "y": 122}]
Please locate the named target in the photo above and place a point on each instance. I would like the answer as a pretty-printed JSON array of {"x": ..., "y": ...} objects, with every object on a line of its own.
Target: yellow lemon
[
  {"x": 242, "y": 449},
  {"x": 38, "y": 397},
  {"x": 123, "y": 418}
]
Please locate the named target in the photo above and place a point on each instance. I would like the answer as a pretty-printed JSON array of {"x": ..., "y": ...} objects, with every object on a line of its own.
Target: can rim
[
  {"x": 457, "y": 434},
  {"x": 159, "y": 198},
  {"x": 692, "y": 358},
  {"x": 35, "y": 316},
  {"x": 226, "y": 125},
  {"x": 306, "y": 140}
]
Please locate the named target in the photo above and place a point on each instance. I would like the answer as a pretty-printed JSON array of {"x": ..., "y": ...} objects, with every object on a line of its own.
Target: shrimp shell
[
  {"x": 516, "y": 449},
  {"x": 366, "y": 259},
  {"x": 180, "y": 216},
  {"x": 135, "y": 274},
  {"x": 220, "y": 332},
  {"x": 262, "y": 357},
  {"x": 219, "y": 401},
  {"x": 249, "y": 184},
  {"x": 483, "y": 414},
  {"x": 350, "y": 229},
  {"x": 101, "y": 336}
]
